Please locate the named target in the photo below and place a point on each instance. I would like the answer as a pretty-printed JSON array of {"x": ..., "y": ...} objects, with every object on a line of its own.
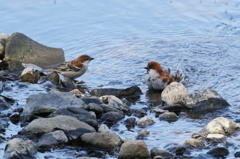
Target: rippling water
[{"x": 201, "y": 38}]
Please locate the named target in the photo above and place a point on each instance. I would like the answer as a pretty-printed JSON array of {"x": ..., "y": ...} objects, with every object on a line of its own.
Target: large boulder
[
  {"x": 20, "y": 148},
  {"x": 174, "y": 93},
  {"x": 46, "y": 125},
  {"x": 21, "y": 48},
  {"x": 3, "y": 38},
  {"x": 204, "y": 100},
  {"x": 105, "y": 141},
  {"x": 132, "y": 149},
  {"x": 49, "y": 102},
  {"x": 220, "y": 125}
]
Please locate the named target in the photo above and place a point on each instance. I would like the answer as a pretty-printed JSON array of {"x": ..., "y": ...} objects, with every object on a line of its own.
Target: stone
[
  {"x": 216, "y": 137},
  {"x": 3, "y": 125},
  {"x": 130, "y": 122},
  {"x": 138, "y": 112},
  {"x": 21, "y": 48},
  {"x": 219, "y": 152},
  {"x": 77, "y": 93},
  {"x": 3, "y": 38},
  {"x": 104, "y": 141},
  {"x": 220, "y": 125},
  {"x": 95, "y": 108},
  {"x": 204, "y": 100},
  {"x": 174, "y": 93},
  {"x": 20, "y": 148},
  {"x": 68, "y": 83},
  {"x": 133, "y": 149},
  {"x": 49, "y": 102},
  {"x": 79, "y": 114},
  {"x": 145, "y": 121},
  {"x": 103, "y": 128},
  {"x": 112, "y": 101},
  {"x": 204, "y": 156},
  {"x": 168, "y": 116},
  {"x": 159, "y": 110},
  {"x": 120, "y": 93},
  {"x": 31, "y": 73},
  {"x": 161, "y": 153},
  {"x": 194, "y": 142},
  {"x": 5, "y": 102},
  {"x": 54, "y": 78},
  {"x": 47, "y": 125},
  {"x": 111, "y": 118}
]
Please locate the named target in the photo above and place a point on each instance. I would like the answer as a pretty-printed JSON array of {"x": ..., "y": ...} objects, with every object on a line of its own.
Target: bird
[
  {"x": 72, "y": 69},
  {"x": 157, "y": 78}
]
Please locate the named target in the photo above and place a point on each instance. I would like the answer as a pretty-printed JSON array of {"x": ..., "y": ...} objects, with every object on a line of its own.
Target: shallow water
[{"x": 200, "y": 38}]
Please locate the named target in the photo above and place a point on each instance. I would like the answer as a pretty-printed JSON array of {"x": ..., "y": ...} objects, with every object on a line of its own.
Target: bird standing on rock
[
  {"x": 72, "y": 69},
  {"x": 157, "y": 78}
]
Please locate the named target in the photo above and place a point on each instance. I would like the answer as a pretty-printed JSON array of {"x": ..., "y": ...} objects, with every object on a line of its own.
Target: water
[{"x": 201, "y": 38}]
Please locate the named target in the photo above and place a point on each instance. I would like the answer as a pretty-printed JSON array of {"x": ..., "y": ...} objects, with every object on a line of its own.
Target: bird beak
[
  {"x": 147, "y": 68},
  {"x": 91, "y": 58}
]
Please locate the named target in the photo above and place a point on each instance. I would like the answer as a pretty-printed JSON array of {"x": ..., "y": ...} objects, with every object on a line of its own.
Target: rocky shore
[{"x": 67, "y": 115}]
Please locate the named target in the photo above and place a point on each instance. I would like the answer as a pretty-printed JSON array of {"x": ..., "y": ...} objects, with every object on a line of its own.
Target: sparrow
[
  {"x": 157, "y": 78},
  {"x": 72, "y": 69}
]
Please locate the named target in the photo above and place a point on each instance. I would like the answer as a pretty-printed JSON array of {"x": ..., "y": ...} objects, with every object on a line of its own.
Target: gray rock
[
  {"x": 194, "y": 142},
  {"x": 219, "y": 152},
  {"x": 31, "y": 73},
  {"x": 111, "y": 118},
  {"x": 1, "y": 87},
  {"x": 174, "y": 93},
  {"x": 205, "y": 100},
  {"x": 204, "y": 156},
  {"x": 49, "y": 102},
  {"x": 78, "y": 113},
  {"x": 105, "y": 141},
  {"x": 68, "y": 83},
  {"x": 21, "y": 48},
  {"x": 168, "y": 116},
  {"x": 95, "y": 108},
  {"x": 46, "y": 125},
  {"x": 145, "y": 121},
  {"x": 3, "y": 125},
  {"x": 104, "y": 129},
  {"x": 112, "y": 101},
  {"x": 3, "y": 38},
  {"x": 161, "y": 153},
  {"x": 216, "y": 137},
  {"x": 5, "y": 102},
  {"x": 133, "y": 149},
  {"x": 220, "y": 125},
  {"x": 20, "y": 148}
]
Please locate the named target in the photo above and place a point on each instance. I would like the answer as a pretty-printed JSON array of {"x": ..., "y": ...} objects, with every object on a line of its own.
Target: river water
[{"x": 201, "y": 38}]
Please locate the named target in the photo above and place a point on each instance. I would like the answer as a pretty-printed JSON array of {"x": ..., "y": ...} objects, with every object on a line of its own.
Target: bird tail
[{"x": 177, "y": 77}]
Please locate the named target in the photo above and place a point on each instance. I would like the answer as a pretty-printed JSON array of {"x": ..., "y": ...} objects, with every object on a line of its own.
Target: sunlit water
[{"x": 200, "y": 38}]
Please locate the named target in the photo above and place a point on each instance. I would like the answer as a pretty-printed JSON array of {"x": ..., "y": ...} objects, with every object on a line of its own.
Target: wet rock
[
  {"x": 1, "y": 87},
  {"x": 78, "y": 113},
  {"x": 161, "y": 153},
  {"x": 68, "y": 83},
  {"x": 194, "y": 142},
  {"x": 19, "y": 148},
  {"x": 204, "y": 100},
  {"x": 77, "y": 93},
  {"x": 49, "y": 102},
  {"x": 204, "y": 156},
  {"x": 46, "y": 125},
  {"x": 31, "y": 73},
  {"x": 220, "y": 125},
  {"x": 5, "y": 102},
  {"x": 216, "y": 137},
  {"x": 112, "y": 101},
  {"x": 120, "y": 93},
  {"x": 138, "y": 112},
  {"x": 174, "y": 93},
  {"x": 89, "y": 100},
  {"x": 111, "y": 118},
  {"x": 52, "y": 139},
  {"x": 3, "y": 125},
  {"x": 159, "y": 110},
  {"x": 130, "y": 122},
  {"x": 15, "y": 117},
  {"x": 143, "y": 134},
  {"x": 95, "y": 108},
  {"x": 54, "y": 78},
  {"x": 237, "y": 154},
  {"x": 176, "y": 149},
  {"x": 104, "y": 129},
  {"x": 106, "y": 108},
  {"x": 105, "y": 141},
  {"x": 21, "y": 48},
  {"x": 175, "y": 108},
  {"x": 145, "y": 121},
  {"x": 3, "y": 38},
  {"x": 168, "y": 116},
  {"x": 219, "y": 152},
  {"x": 133, "y": 149}
]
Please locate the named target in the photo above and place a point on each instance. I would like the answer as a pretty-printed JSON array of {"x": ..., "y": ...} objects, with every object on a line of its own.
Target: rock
[
  {"x": 79, "y": 114},
  {"x": 130, "y": 122},
  {"x": 95, "y": 108},
  {"x": 20, "y": 148},
  {"x": 1, "y": 87},
  {"x": 161, "y": 153},
  {"x": 54, "y": 78},
  {"x": 111, "y": 101},
  {"x": 46, "y": 125},
  {"x": 219, "y": 152},
  {"x": 5, "y": 102},
  {"x": 168, "y": 116},
  {"x": 174, "y": 93},
  {"x": 89, "y": 100},
  {"x": 216, "y": 137},
  {"x": 120, "y": 93},
  {"x": 77, "y": 93},
  {"x": 21, "y": 48},
  {"x": 104, "y": 141},
  {"x": 176, "y": 149},
  {"x": 237, "y": 154},
  {"x": 31, "y": 73},
  {"x": 104, "y": 129},
  {"x": 194, "y": 142},
  {"x": 174, "y": 108},
  {"x": 204, "y": 156},
  {"x": 145, "y": 121},
  {"x": 133, "y": 149},
  {"x": 204, "y": 100},
  {"x": 3, "y": 125},
  {"x": 68, "y": 83},
  {"x": 111, "y": 118},
  {"x": 49, "y": 102},
  {"x": 15, "y": 117},
  {"x": 159, "y": 110},
  {"x": 3, "y": 38},
  {"x": 74, "y": 136},
  {"x": 52, "y": 140},
  {"x": 138, "y": 112},
  {"x": 106, "y": 108},
  {"x": 220, "y": 125}
]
